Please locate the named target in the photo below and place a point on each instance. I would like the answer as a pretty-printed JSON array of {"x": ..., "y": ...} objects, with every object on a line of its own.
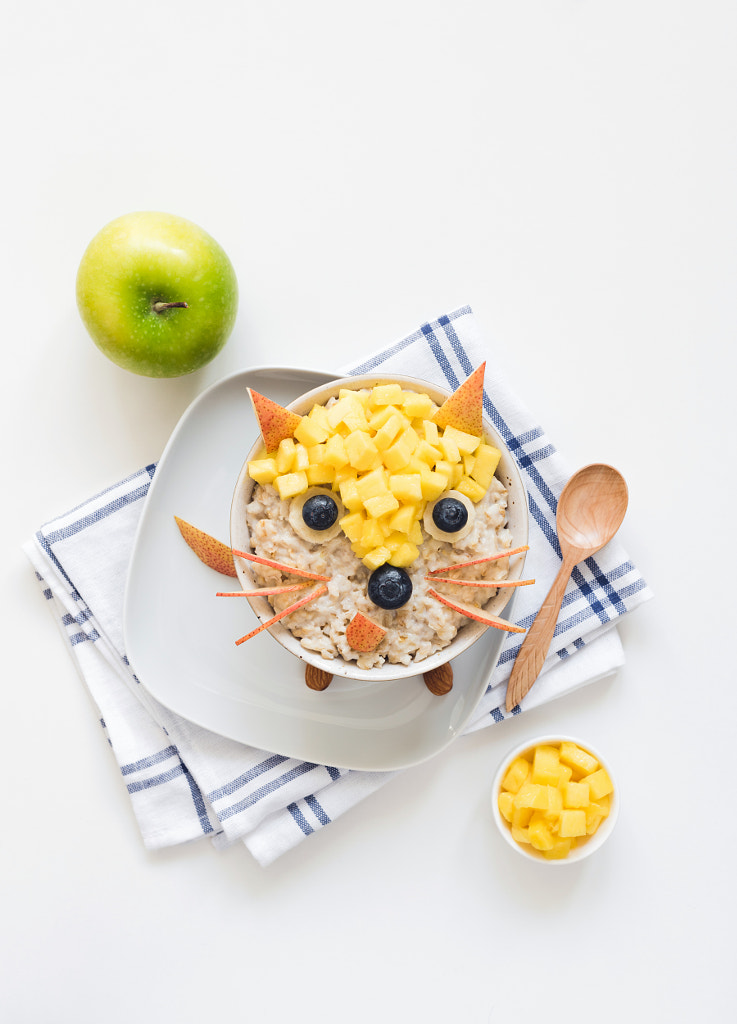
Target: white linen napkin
[{"x": 185, "y": 782}]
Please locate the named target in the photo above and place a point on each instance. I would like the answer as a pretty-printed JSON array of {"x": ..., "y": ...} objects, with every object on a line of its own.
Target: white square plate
[{"x": 180, "y": 638}]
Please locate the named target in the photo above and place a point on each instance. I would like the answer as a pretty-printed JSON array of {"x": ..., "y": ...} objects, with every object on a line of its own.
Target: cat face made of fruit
[{"x": 387, "y": 467}]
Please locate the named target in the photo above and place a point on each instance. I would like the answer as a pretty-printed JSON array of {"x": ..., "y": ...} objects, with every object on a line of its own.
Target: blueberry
[
  {"x": 450, "y": 515},
  {"x": 389, "y": 587},
  {"x": 319, "y": 512}
]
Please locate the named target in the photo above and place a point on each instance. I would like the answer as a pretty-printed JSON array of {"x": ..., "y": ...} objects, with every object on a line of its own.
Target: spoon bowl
[{"x": 591, "y": 508}]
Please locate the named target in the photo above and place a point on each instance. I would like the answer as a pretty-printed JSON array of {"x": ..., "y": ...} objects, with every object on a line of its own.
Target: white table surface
[{"x": 569, "y": 169}]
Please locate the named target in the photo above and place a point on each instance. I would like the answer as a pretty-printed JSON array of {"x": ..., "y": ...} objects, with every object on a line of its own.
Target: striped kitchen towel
[{"x": 185, "y": 782}]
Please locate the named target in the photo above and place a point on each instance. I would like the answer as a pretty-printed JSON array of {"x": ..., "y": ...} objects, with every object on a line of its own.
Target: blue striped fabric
[{"x": 185, "y": 782}]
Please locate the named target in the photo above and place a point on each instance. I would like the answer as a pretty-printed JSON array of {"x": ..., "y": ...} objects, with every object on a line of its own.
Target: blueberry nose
[{"x": 389, "y": 587}]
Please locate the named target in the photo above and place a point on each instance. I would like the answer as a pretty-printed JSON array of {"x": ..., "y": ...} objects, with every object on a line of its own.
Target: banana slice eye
[
  {"x": 450, "y": 518},
  {"x": 315, "y": 515}
]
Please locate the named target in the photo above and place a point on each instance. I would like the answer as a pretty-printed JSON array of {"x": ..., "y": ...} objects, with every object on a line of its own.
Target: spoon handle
[{"x": 535, "y": 648}]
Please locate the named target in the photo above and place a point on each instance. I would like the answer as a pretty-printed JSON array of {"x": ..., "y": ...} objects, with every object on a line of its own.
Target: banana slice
[
  {"x": 450, "y": 537},
  {"x": 300, "y": 527}
]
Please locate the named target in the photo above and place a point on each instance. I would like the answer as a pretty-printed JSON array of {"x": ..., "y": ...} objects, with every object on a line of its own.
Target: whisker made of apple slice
[
  {"x": 478, "y": 614},
  {"x": 480, "y": 583},
  {"x": 282, "y": 568},
  {"x": 318, "y": 592},
  {"x": 262, "y": 591},
  {"x": 478, "y": 561}
]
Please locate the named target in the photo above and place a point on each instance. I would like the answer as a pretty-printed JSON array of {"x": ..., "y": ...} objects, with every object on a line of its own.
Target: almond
[
  {"x": 317, "y": 678},
  {"x": 439, "y": 681}
]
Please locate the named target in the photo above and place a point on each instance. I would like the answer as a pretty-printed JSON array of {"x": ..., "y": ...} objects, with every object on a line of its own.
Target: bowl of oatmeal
[{"x": 377, "y": 512}]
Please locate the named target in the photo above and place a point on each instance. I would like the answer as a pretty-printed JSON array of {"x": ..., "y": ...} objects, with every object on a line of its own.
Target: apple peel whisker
[
  {"x": 262, "y": 591},
  {"x": 478, "y": 614},
  {"x": 490, "y": 584},
  {"x": 479, "y": 561},
  {"x": 318, "y": 592},
  {"x": 282, "y": 568}
]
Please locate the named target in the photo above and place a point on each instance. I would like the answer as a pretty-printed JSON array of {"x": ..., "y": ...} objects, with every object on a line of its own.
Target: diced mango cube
[
  {"x": 373, "y": 483},
  {"x": 572, "y": 824},
  {"x": 406, "y": 486},
  {"x": 335, "y": 454},
  {"x": 301, "y": 457},
  {"x": 352, "y": 525},
  {"x": 430, "y": 432},
  {"x": 467, "y": 443},
  {"x": 362, "y": 453},
  {"x": 397, "y": 455},
  {"x": 516, "y": 774},
  {"x": 559, "y": 850},
  {"x": 415, "y": 533},
  {"x": 263, "y": 471},
  {"x": 487, "y": 459},
  {"x": 319, "y": 414},
  {"x": 521, "y": 816},
  {"x": 541, "y": 837},
  {"x": 545, "y": 765},
  {"x": 376, "y": 557},
  {"x": 372, "y": 536},
  {"x": 345, "y": 473},
  {"x": 291, "y": 484},
  {"x": 385, "y": 394},
  {"x": 381, "y": 505},
  {"x": 580, "y": 760},
  {"x": 319, "y": 475},
  {"x": 432, "y": 484},
  {"x": 532, "y": 795},
  {"x": 349, "y": 411},
  {"x": 403, "y": 518},
  {"x": 555, "y": 803},
  {"x": 310, "y": 432},
  {"x": 349, "y": 495},
  {"x": 599, "y": 784},
  {"x": 466, "y": 485},
  {"x": 285, "y": 455},
  {"x": 417, "y": 405},
  {"x": 404, "y": 555},
  {"x": 576, "y": 794},
  {"x": 449, "y": 449},
  {"x": 506, "y": 805},
  {"x": 428, "y": 453},
  {"x": 391, "y": 429},
  {"x": 378, "y": 417}
]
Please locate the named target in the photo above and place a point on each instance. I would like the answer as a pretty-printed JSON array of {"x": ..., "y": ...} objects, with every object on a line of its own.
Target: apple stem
[{"x": 159, "y": 307}]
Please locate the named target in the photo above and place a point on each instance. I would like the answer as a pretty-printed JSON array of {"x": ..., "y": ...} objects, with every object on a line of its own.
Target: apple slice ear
[
  {"x": 275, "y": 422},
  {"x": 212, "y": 552},
  {"x": 363, "y": 634},
  {"x": 472, "y": 612},
  {"x": 464, "y": 409}
]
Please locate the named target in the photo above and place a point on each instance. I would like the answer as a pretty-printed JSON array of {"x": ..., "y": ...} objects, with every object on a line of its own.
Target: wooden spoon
[{"x": 590, "y": 511}]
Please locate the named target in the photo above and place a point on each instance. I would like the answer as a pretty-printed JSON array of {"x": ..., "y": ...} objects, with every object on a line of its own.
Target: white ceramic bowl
[
  {"x": 584, "y": 847},
  {"x": 517, "y": 519}
]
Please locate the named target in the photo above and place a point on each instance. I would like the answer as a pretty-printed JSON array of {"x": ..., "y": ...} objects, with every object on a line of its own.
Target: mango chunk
[
  {"x": 572, "y": 824},
  {"x": 580, "y": 760},
  {"x": 516, "y": 774},
  {"x": 291, "y": 484},
  {"x": 599, "y": 784}
]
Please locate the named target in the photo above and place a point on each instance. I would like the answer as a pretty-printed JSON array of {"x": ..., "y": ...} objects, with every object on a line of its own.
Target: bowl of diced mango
[{"x": 554, "y": 799}]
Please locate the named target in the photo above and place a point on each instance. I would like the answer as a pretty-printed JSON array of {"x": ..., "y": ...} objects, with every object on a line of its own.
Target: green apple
[{"x": 157, "y": 294}]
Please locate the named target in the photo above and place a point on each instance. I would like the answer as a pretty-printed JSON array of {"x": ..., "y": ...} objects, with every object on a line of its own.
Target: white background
[{"x": 567, "y": 167}]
